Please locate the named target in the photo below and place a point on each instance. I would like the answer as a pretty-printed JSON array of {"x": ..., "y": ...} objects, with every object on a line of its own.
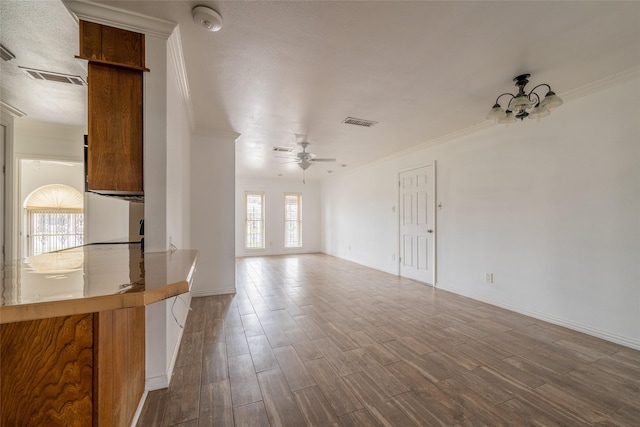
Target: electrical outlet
[
  {"x": 393, "y": 257},
  {"x": 489, "y": 277}
]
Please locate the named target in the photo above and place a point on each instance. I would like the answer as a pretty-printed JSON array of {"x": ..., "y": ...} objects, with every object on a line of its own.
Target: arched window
[{"x": 55, "y": 219}]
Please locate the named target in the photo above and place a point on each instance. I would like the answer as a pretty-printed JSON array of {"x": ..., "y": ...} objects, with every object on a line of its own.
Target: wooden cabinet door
[
  {"x": 111, "y": 45},
  {"x": 115, "y": 130}
]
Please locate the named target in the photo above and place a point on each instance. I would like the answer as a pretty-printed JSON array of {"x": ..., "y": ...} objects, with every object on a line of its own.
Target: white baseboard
[
  {"x": 136, "y": 416},
  {"x": 212, "y": 292},
  {"x": 174, "y": 356},
  {"x": 157, "y": 382},
  {"x": 569, "y": 324}
]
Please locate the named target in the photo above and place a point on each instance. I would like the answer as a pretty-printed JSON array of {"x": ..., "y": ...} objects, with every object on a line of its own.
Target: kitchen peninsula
[{"x": 72, "y": 331}]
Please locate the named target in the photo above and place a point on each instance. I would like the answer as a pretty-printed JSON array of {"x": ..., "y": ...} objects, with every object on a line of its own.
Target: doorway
[{"x": 417, "y": 224}]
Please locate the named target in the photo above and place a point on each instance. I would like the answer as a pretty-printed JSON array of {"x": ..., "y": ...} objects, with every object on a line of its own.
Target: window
[
  {"x": 254, "y": 238},
  {"x": 292, "y": 220},
  {"x": 55, "y": 219}
]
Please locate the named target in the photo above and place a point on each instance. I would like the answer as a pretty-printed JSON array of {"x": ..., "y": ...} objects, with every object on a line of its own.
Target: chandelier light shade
[{"x": 523, "y": 104}]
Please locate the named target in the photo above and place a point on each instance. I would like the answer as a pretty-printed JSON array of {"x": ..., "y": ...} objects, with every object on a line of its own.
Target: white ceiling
[{"x": 421, "y": 69}]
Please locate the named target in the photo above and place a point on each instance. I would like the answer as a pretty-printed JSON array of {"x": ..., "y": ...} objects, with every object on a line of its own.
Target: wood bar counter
[{"x": 72, "y": 332}]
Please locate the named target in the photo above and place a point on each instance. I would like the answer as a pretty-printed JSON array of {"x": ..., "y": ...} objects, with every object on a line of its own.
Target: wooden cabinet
[
  {"x": 115, "y": 108},
  {"x": 119, "y": 360},
  {"x": 80, "y": 370},
  {"x": 115, "y": 155},
  {"x": 111, "y": 45}
]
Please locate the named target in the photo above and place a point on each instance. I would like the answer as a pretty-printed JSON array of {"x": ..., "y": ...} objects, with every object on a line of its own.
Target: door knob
[{"x": 429, "y": 231}]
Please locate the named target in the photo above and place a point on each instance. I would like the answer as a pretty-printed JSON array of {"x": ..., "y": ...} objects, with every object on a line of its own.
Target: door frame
[
  {"x": 433, "y": 214},
  {"x": 7, "y": 116}
]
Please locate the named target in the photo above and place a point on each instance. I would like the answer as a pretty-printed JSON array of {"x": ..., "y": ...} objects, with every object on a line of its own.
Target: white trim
[
  {"x": 216, "y": 133},
  {"x": 602, "y": 84},
  {"x": 576, "y": 326},
  {"x": 299, "y": 221},
  {"x": 11, "y": 231},
  {"x": 209, "y": 293},
  {"x": 136, "y": 416},
  {"x": 156, "y": 383},
  {"x": 11, "y": 110},
  {"x": 119, "y": 18},
  {"x": 177, "y": 58},
  {"x": 263, "y": 233},
  {"x": 581, "y": 91},
  {"x": 176, "y": 350}
]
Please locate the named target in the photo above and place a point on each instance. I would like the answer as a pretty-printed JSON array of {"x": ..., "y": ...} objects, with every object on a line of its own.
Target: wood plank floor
[{"x": 315, "y": 340}]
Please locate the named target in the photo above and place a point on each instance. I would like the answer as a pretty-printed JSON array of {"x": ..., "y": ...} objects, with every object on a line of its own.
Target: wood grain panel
[
  {"x": 115, "y": 129},
  {"x": 90, "y": 40},
  {"x": 122, "y": 46},
  {"x": 45, "y": 368},
  {"x": 119, "y": 339}
]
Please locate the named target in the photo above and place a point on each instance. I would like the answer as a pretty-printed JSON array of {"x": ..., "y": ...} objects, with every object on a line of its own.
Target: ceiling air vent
[
  {"x": 283, "y": 149},
  {"x": 54, "y": 77},
  {"x": 5, "y": 54},
  {"x": 359, "y": 122}
]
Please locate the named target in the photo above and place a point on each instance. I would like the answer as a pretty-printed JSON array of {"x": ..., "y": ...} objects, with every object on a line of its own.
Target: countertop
[{"x": 92, "y": 278}]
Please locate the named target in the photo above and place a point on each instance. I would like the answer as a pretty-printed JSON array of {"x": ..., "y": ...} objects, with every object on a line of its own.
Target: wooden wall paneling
[
  {"x": 46, "y": 372},
  {"x": 115, "y": 154}
]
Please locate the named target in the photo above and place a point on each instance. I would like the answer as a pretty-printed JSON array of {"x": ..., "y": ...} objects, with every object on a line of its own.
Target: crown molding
[
  {"x": 590, "y": 88},
  {"x": 119, "y": 18},
  {"x": 177, "y": 58},
  {"x": 598, "y": 85},
  {"x": 216, "y": 133},
  {"x": 11, "y": 110}
]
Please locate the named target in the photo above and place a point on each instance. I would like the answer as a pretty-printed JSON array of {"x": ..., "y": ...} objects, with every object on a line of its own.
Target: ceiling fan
[{"x": 305, "y": 159}]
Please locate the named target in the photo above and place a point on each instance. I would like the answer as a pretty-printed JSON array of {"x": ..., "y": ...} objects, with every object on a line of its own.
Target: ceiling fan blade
[
  {"x": 323, "y": 160},
  {"x": 285, "y": 157}
]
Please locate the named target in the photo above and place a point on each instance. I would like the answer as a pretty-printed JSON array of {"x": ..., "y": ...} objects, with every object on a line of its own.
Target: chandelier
[{"x": 523, "y": 104}]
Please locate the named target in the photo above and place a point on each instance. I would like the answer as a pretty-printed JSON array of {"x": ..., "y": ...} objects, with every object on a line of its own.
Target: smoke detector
[{"x": 207, "y": 18}]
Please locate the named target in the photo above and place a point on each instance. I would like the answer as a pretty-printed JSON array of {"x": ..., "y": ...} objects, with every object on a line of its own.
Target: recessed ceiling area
[{"x": 421, "y": 70}]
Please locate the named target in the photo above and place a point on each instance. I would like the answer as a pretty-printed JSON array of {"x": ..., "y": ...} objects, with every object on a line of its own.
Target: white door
[{"x": 417, "y": 224}]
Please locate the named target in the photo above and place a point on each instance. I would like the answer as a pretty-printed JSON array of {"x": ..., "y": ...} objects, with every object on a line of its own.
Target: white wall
[
  {"x": 43, "y": 139},
  {"x": 167, "y": 201},
  {"x": 551, "y": 208},
  {"x": 106, "y": 219},
  {"x": 274, "y": 190},
  {"x": 213, "y": 211}
]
